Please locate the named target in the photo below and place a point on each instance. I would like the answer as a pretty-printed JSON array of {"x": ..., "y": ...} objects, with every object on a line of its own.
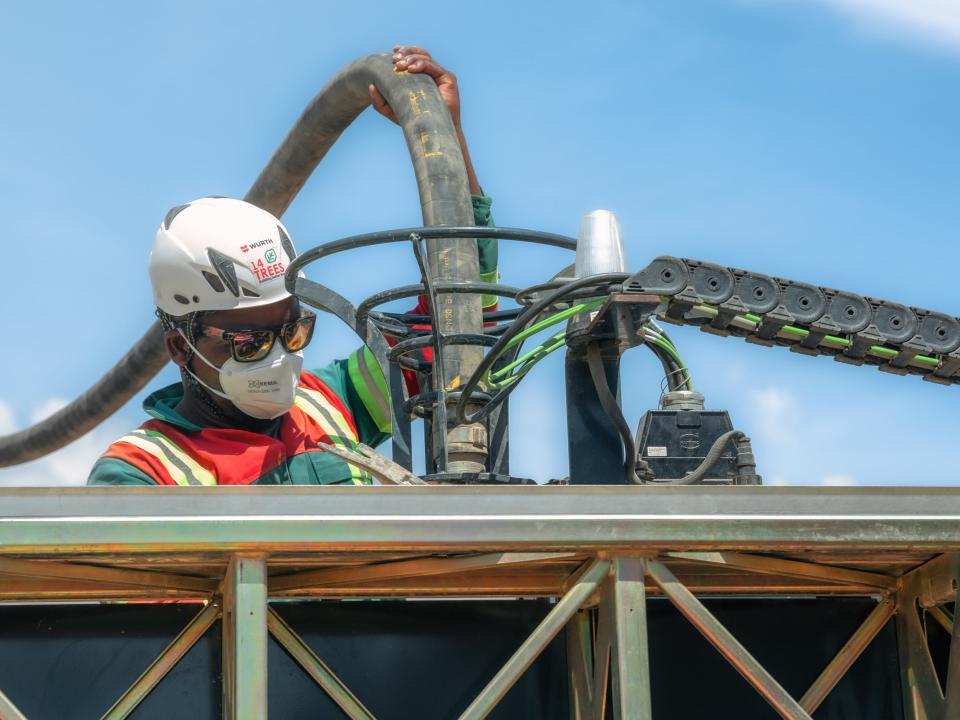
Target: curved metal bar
[
  {"x": 444, "y": 198},
  {"x": 415, "y": 318},
  {"x": 421, "y": 403},
  {"x": 354, "y": 242},
  {"x": 471, "y": 288},
  {"x": 323, "y": 298},
  {"x": 422, "y": 341}
]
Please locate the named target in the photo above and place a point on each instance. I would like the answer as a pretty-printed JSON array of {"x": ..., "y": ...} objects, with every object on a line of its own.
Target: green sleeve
[
  {"x": 486, "y": 247},
  {"x": 110, "y": 471},
  {"x": 358, "y": 382}
]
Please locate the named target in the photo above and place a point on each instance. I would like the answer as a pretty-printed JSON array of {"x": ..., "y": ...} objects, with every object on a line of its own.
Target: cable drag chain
[{"x": 808, "y": 319}]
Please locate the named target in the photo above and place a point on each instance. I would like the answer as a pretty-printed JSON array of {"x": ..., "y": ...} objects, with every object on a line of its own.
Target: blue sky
[{"x": 812, "y": 140}]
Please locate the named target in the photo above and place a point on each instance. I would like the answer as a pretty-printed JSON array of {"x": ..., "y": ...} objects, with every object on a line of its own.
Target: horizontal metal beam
[
  {"x": 114, "y": 576},
  {"x": 790, "y": 568},
  {"x": 538, "y": 580},
  {"x": 438, "y": 519},
  {"x": 425, "y": 567}
]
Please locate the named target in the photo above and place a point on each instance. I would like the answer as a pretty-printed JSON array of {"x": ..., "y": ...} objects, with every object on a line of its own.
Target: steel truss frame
[{"x": 899, "y": 546}]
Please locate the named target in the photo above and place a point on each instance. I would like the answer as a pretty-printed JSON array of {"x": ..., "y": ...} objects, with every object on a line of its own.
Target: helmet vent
[
  {"x": 214, "y": 281},
  {"x": 250, "y": 293},
  {"x": 171, "y": 214},
  {"x": 181, "y": 299},
  {"x": 286, "y": 244},
  {"x": 224, "y": 267}
]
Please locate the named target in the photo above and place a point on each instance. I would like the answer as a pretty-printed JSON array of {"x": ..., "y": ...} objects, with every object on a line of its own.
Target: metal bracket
[{"x": 921, "y": 592}]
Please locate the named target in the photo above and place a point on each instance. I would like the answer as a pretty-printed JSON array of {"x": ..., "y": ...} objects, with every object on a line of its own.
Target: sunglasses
[{"x": 252, "y": 345}]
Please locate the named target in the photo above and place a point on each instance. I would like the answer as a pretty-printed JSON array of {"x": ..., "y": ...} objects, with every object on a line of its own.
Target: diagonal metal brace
[
  {"x": 9, "y": 711},
  {"x": 728, "y": 646},
  {"x": 316, "y": 668},
  {"x": 164, "y": 663},
  {"x": 531, "y": 648}
]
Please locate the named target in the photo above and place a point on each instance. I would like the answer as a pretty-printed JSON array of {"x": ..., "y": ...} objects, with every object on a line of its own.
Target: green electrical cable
[
  {"x": 539, "y": 352},
  {"x": 553, "y": 320},
  {"x": 672, "y": 351},
  {"x": 522, "y": 365},
  {"x": 542, "y": 350},
  {"x": 878, "y": 350}
]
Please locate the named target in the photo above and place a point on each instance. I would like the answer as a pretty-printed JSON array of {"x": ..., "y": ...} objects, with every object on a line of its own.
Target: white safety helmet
[{"x": 217, "y": 253}]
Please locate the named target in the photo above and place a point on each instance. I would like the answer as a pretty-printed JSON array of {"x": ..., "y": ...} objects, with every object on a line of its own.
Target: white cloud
[
  {"x": 46, "y": 409},
  {"x": 7, "y": 423},
  {"x": 794, "y": 445},
  {"x": 837, "y": 480},
  {"x": 927, "y": 22}
]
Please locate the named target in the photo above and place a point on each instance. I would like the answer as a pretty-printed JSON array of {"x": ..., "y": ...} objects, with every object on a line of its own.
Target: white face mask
[{"x": 264, "y": 389}]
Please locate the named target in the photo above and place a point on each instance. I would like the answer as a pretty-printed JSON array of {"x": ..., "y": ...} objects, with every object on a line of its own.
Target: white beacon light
[{"x": 599, "y": 249}]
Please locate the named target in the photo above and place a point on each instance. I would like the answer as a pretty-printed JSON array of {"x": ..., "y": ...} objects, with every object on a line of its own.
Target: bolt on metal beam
[
  {"x": 245, "y": 638},
  {"x": 316, "y": 668},
  {"x": 718, "y": 636},
  {"x": 847, "y": 655},
  {"x": 164, "y": 663},
  {"x": 531, "y": 648}
]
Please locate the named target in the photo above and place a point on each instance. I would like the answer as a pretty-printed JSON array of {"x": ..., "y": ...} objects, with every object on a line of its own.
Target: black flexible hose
[
  {"x": 612, "y": 408},
  {"x": 122, "y": 381},
  {"x": 444, "y": 199},
  {"x": 713, "y": 455}
]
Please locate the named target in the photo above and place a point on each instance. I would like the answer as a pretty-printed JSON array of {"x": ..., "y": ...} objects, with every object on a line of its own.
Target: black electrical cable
[
  {"x": 612, "y": 408},
  {"x": 670, "y": 367},
  {"x": 527, "y": 317},
  {"x": 713, "y": 455}
]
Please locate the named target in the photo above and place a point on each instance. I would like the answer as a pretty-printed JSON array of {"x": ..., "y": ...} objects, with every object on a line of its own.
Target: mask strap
[{"x": 196, "y": 352}]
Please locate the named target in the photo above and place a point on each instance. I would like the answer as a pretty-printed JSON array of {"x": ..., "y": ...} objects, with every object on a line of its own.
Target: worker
[{"x": 244, "y": 412}]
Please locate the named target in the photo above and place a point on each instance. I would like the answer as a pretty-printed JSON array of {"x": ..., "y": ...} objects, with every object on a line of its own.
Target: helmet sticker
[{"x": 267, "y": 267}]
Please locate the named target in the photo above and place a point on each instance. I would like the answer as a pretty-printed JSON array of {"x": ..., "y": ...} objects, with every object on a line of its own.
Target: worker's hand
[{"x": 417, "y": 60}]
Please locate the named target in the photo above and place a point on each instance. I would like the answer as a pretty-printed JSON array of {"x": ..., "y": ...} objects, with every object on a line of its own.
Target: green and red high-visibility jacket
[{"x": 344, "y": 403}]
